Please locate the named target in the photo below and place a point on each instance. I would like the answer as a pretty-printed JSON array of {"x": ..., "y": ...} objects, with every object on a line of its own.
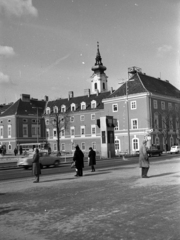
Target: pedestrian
[
  {"x": 144, "y": 160},
  {"x": 79, "y": 161},
  {"x": 36, "y": 166},
  {"x": 15, "y": 151},
  {"x": 92, "y": 159}
]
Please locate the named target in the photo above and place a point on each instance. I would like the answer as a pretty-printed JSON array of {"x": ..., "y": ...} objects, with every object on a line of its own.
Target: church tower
[{"x": 99, "y": 78}]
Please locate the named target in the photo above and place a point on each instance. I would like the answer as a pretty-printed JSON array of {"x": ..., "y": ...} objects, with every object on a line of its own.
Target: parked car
[
  {"x": 45, "y": 160},
  {"x": 153, "y": 150},
  {"x": 174, "y": 149}
]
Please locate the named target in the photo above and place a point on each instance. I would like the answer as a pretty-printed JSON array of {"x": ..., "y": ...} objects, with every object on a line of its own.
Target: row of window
[
  {"x": 72, "y": 118},
  {"x": 167, "y": 122},
  {"x": 9, "y": 129},
  {"x": 72, "y": 131},
  {"x": 81, "y": 145},
  {"x": 9, "y": 121},
  {"x": 163, "y": 105},
  {"x": 73, "y": 107},
  {"x": 133, "y": 106}
]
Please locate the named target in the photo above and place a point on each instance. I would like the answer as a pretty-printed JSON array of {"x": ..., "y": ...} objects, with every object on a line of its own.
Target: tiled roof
[
  {"x": 4, "y": 107},
  {"x": 24, "y": 108},
  {"x": 78, "y": 100},
  {"x": 141, "y": 83}
]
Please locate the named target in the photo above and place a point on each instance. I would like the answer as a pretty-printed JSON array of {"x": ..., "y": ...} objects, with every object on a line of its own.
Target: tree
[{"x": 60, "y": 121}]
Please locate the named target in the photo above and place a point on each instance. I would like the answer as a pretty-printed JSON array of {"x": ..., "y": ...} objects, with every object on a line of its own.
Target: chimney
[
  {"x": 25, "y": 97},
  {"x": 97, "y": 92},
  {"x": 46, "y": 99},
  {"x": 70, "y": 95},
  {"x": 87, "y": 92},
  {"x": 111, "y": 91}
]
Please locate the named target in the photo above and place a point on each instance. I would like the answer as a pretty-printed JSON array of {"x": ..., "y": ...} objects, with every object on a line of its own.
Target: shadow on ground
[{"x": 163, "y": 174}]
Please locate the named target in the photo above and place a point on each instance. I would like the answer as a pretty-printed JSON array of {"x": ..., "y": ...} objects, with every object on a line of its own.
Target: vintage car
[
  {"x": 174, "y": 149},
  {"x": 45, "y": 160},
  {"x": 153, "y": 150}
]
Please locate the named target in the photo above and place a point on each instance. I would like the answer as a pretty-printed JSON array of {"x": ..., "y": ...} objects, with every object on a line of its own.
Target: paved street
[{"x": 112, "y": 203}]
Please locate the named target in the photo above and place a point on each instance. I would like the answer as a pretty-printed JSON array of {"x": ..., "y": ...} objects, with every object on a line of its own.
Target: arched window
[
  {"x": 93, "y": 104},
  {"x": 73, "y": 107},
  {"x": 117, "y": 146},
  {"x": 63, "y": 108},
  {"x": 95, "y": 86},
  {"x": 47, "y": 110},
  {"x": 83, "y": 106},
  {"x": 55, "y": 109},
  {"x": 104, "y": 86}
]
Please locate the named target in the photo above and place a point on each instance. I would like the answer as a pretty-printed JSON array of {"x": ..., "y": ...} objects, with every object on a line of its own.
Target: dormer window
[
  {"x": 55, "y": 109},
  {"x": 47, "y": 110},
  {"x": 73, "y": 107},
  {"x": 83, "y": 106},
  {"x": 63, "y": 108},
  {"x": 93, "y": 104}
]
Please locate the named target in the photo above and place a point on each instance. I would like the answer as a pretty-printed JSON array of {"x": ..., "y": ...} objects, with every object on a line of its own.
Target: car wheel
[
  {"x": 26, "y": 167},
  {"x": 56, "y": 163}
]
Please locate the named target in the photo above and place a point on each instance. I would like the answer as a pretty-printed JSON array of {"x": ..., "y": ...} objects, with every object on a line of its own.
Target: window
[
  {"x": 163, "y": 122},
  {"x": 177, "y": 123},
  {"x": 93, "y": 145},
  {"x": 83, "y": 106},
  {"x": 93, "y": 116},
  {"x": 25, "y": 130},
  {"x": 9, "y": 131},
  {"x": 163, "y": 105},
  {"x": 72, "y": 131},
  {"x": 47, "y": 133},
  {"x": 82, "y": 118},
  {"x": 170, "y": 106},
  {"x": 95, "y": 86},
  {"x": 62, "y": 133},
  {"x": 55, "y": 146},
  {"x": 93, "y": 104},
  {"x": 117, "y": 145},
  {"x": 103, "y": 86},
  {"x": 55, "y": 109},
  {"x": 25, "y": 120},
  {"x": 83, "y": 146},
  {"x": 171, "y": 141},
  {"x": 156, "y": 121},
  {"x": 9, "y": 146},
  {"x": 133, "y": 105},
  {"x": 72, "y": 119},
  {"x": 135, "y": 144},
  {"x": 83, "y": 130},
  {"x": 54, "y": 133},
  {"x": 1, "y": 131},
  {"x": 157, "y": 141},
  {"x": 1, "y": 121},
  {"x": 63, "y": 147},
  {"x": 63, "y": 108},
  {"x": 9, "y": 120},
  {"x": 171, "y": 123},
  {"x": 176, "y": 107},
  {"x": 47, "y": 121},
  {"x": 155, "y": 104},
  {"x": 134, "y": 124},
  {"x": 47, "y": 110},
  {"x": 93, "y": 130},
  {"x": 73, "y": 107},
  {"x": 33, "y": 120},
  {"x": 117, "y": 126},
  {"x": 115, "y": 108}
]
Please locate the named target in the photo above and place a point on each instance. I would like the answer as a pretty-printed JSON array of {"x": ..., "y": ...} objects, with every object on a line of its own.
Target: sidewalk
[{"x": 112, "y": 203}]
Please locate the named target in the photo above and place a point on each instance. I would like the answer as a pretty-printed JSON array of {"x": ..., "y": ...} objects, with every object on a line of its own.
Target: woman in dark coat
[
  {"x": 79, "y": 161},
  {"x": 36, "y": 166},
  {"x": 92, "y": 159},
  {"x": 144, "y": 160}
]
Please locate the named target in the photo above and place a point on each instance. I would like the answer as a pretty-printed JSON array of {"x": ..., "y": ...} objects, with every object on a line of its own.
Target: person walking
[
  {"x": 92, "y": 159},
  {"x": 143, "y": 160},
  {"x": 36, "y": 166},
  {"x": 79, "y": 161},
  {"x": 15, "y": 151}
]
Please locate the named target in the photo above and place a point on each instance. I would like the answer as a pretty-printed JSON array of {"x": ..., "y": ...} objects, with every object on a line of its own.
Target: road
[{"x": 16, "y": 173}]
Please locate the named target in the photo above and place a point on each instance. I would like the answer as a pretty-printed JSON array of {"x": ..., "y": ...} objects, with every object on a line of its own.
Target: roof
[
  {"x": 25, "y": 108},
  {"x": 141, "y": 83},
  {"x": 3, "y": 107},
  {"x": 78, "y": 100}
]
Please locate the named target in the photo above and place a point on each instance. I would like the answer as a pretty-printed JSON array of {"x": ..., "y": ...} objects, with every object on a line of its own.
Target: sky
[{"x": 48, "y": 47}]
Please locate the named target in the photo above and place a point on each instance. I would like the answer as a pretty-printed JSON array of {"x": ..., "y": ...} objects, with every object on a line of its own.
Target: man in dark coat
[
  {"x": 79, "y": 161},
  {"x": 92, "y": 159},
  {"x": 143, "y": 159},
  {"x": 36, "y": 166}
]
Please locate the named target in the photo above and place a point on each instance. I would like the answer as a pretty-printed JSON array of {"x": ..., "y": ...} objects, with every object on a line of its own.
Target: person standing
[
  {"x": 15, "y": 151},
  {"x": 143, "y": 159},
  {"x": 92, "y": 159},
  {"x": 79, "y": 161},
  {"x": 36, "y": 166}
]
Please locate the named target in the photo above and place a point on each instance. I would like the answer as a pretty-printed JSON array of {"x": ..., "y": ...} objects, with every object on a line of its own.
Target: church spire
[{"x": 98, "y": 64}]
